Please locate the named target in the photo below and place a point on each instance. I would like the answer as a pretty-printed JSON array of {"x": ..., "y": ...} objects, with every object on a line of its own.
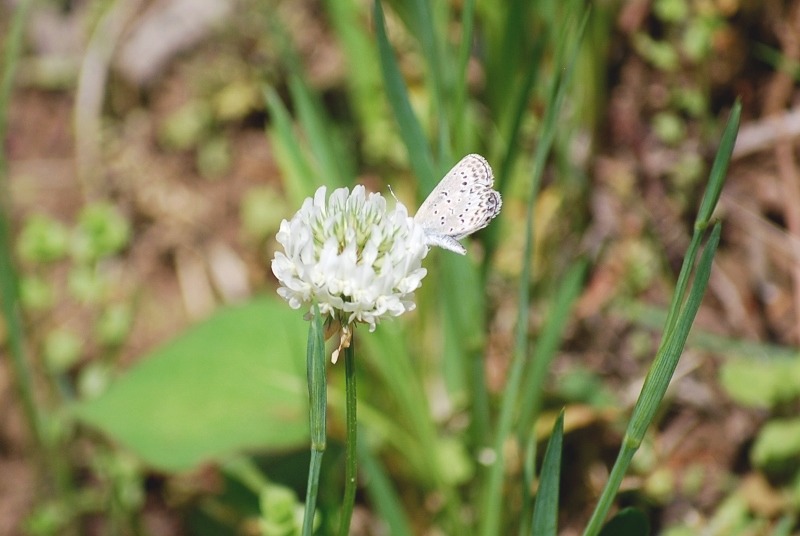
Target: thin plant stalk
[
  {"x": 351, "y": 442},
  {"x": 317, "y": 398},
  {"x": 676, "y": 330}
]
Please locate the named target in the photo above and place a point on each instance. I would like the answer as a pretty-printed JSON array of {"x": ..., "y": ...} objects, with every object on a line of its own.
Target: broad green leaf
[{"x": 236, "y": 381}]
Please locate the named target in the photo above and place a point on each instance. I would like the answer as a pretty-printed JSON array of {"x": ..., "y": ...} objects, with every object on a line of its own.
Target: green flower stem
[
  {"x": 351, "y": 441},
  {"x": 317, "y": 397}
]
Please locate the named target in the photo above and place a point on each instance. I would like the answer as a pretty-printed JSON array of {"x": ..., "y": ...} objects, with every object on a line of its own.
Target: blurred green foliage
[{"x": 423, "y": 84}]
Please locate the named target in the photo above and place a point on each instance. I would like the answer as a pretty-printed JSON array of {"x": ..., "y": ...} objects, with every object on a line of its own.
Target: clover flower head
[{"x": 358, "y": 260}]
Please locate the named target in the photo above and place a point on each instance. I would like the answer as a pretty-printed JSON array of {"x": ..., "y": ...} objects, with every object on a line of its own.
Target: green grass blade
[
  {"x": 403, "y": 385},
  {"x": 331, "y": 158},
  {"x": 351, "y": 440},
  {"x": 425, "y": 18},
  {"x": 419, "y": 152},
  {"x": 332, "y": 165},
  {"x": 12, "y": 49},
  {"x": 9, "y": 291},
  {"x": 659, "y": 376},
  {"x": 459, "y": 107},
  {"x": 545, "y": 510},
  {"x": 709, "y": 202},
  {"x": 520, "y": 104},
  {"x": 719, "y": 169},
  {"x": 656, "y": 384},
  {"x": 365, "y": 87},
  {"x": 509, "y": 138},
  {"x": 529, "y": 472},
  {"x": 382, "y": 494},
  {"x": 491, "y": 500},
  {"x": 506, "y": 55},
  {"x": 462, "y": 297},
  {"x": 547, "y": 344},
  {"x": 676, "y": 329},
  {"x": 299, "y": 178}
]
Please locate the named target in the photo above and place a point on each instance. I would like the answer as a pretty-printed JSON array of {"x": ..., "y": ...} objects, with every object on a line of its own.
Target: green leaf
[
  {"x": 462, "y": 297},
  {"x": 545, "y": 510},
  {"x": 547, "y": 344},
  {"x": 233, "y": 382},
  {"x": 382, "y": 493},
  {"x": 323, "y": 140},
  {"x": 491, "y": 498},
  {"x": 719, "y": 170},
  {"x": 411, "y": 132},
  {"x": 299, "y": 179}
]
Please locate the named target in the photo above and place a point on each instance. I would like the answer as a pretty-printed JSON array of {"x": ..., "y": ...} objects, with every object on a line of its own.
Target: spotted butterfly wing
[{"x": 463, "y": 202}]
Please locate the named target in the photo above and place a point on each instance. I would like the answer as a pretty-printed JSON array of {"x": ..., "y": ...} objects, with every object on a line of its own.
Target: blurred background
[{"x": 152, "y": 382}]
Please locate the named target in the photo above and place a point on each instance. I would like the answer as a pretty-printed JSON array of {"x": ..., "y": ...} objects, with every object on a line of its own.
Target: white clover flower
[{"x": 357, "y": 259}]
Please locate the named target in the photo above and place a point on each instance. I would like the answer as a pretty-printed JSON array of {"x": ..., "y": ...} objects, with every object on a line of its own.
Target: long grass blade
[
  {"x": 545, "y": 510},
  {"x": 364, "y": 83},
  {"x": 419, "y": 152},
  {"x": 657, "y": 380},
  {"x": 300, "y": 180},
  {"x": 351, "y": 440},
  {"x": 382, "y": 494},
  {"x": 459, "y": 107},
  {"x": 437, "y": 71},
  {"x": 506, "y": 57},
  {"x": 331, "y": 159},
  {"x": 547, "y": 344},
  {"x": 719, "y": 169},
  {"x": 492, "y": 494},
  {"x": 656, "y": 383},
  {"x": 707, "y": 205},
  {"x": 9, "y": 292}
]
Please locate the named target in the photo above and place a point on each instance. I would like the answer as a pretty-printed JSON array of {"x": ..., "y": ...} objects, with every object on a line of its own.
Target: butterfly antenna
[{"x": 392, "y": 192}]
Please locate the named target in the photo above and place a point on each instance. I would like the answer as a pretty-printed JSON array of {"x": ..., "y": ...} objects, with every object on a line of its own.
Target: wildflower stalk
[
  {"x": 317, "y": 398},
  {"x": 351, "y": 440},
  {"x": 352, "y": 261}
]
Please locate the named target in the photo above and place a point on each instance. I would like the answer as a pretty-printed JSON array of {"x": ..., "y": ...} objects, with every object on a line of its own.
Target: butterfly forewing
[{"x": 463, "y": 202}]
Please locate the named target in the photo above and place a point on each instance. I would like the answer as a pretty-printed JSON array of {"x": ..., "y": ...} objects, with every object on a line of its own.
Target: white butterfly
[{"x": 463, "y": 202}]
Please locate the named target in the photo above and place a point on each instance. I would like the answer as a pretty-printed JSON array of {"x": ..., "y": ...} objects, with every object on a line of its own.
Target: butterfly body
[{"x": 462, "y": 203}]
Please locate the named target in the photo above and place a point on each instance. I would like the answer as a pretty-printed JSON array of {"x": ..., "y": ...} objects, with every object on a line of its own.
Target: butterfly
[{"x": 463, "y": 202}]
